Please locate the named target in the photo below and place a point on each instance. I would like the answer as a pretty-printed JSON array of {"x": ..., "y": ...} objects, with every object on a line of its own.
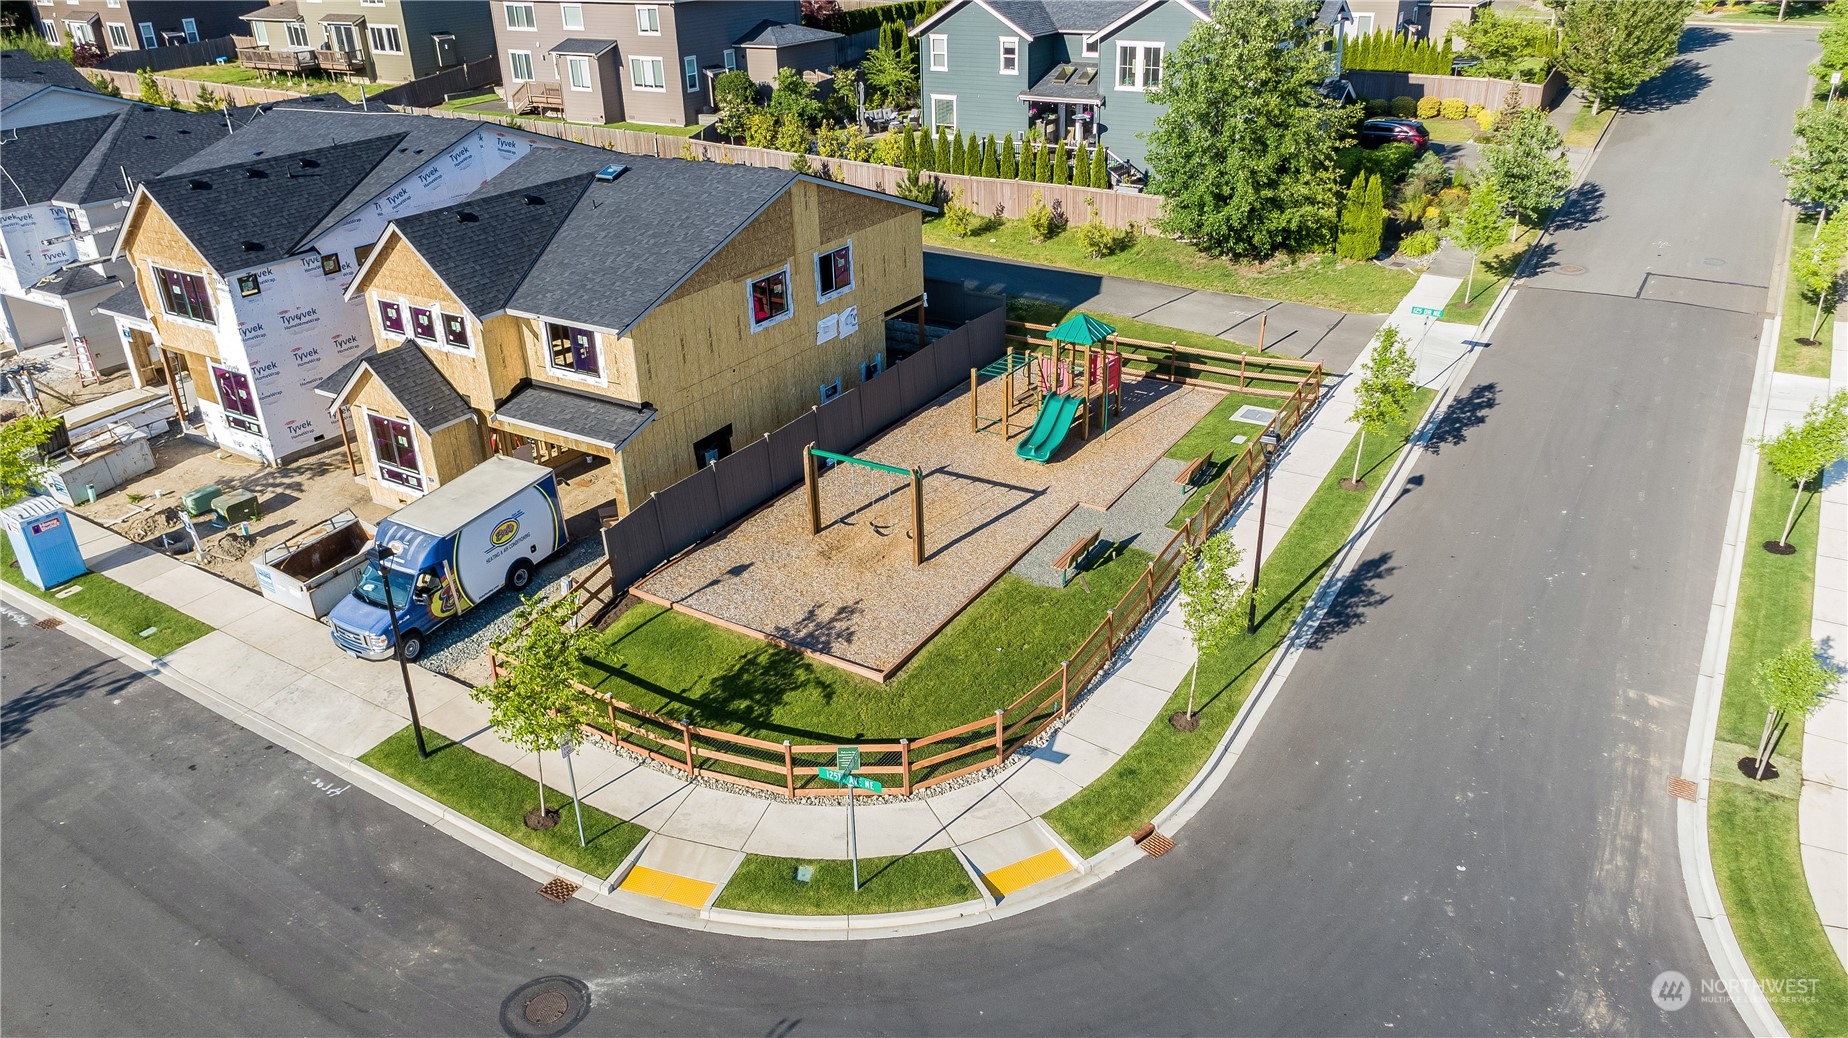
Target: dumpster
[
  {"x": 43, "y": 542},
  {"x": 317, "y": 569}
]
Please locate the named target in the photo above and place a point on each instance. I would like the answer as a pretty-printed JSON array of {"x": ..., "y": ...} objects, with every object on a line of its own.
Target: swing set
[
  {"x": 1070, "y": 375},
  {"x": 811, "y": 476}
]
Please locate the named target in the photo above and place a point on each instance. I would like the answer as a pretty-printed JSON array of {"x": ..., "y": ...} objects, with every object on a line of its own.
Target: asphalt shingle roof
[
  {"x": 22, "y": 75},
  {"x": 39, "y": 159},
  {"x": 581, "y": 45},
  {"x": 783, "y": 34},
  {"x": 126, "y": 303},
  {"x": 482, "y": 248},
  {"x": 596, "y": 419},
  {"x": 75, "y": 280},
  {"x": 144, "y": 143},
  {"x": 1076, "y": 86},
  {"x": 413, "y": 380},
  {"x": 286, "y": 11},
  {"x": 262, "y": 209}
]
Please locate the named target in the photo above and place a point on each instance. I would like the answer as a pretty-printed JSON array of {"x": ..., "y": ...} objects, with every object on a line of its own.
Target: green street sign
[
  {"x": 847, "y": 758},
  {"x": 1427, "y": 311},
  {"x": 843, "y": 778}
]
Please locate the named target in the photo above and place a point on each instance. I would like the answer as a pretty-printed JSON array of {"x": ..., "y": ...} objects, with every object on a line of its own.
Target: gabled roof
[
  {"x": 783, "y": 34},
  {"x": 39, "y": 159},
  {"x": 604, "y": 421},
  {"x": 412, "y": 379},
  {"x": 581, "y": 45},
  {"x": 126, "y": 303},
  {"x": 144, "y": 143},
  {"x": 259, "y": 211},
  {"x": 484, "y": 247},
  {"x": 1036, "y": 18},
  {"x": 22, "y": 75},
  {"x": 1133, "y": 11},
  {"x": 75, "y": 279},
  {"x": 286, "y": 11}
]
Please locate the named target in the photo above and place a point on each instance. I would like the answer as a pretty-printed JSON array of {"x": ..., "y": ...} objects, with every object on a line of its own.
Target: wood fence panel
[{"x": 1476, "y": 90}]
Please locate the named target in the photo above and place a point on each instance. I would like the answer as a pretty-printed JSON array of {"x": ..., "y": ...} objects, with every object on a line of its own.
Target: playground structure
[
  {"x": 1071, "y": 357},
  {"x": 811, "y": 482}
]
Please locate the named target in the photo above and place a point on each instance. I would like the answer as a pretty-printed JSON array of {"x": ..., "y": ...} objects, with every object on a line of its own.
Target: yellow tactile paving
[
  {"x": 1045, "y": 865},
  {"x": 681, "y": 890}
]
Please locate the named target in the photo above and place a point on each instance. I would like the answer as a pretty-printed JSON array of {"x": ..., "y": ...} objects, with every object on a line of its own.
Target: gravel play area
[{"x": 851, "y": 592}]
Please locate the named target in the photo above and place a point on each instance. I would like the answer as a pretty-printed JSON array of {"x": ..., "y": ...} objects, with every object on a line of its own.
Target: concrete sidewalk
[{"x": 1822, "y": 804}]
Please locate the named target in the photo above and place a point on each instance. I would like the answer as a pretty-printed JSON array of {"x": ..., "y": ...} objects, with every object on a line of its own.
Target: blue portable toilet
[{"x": 43, "y": 542}]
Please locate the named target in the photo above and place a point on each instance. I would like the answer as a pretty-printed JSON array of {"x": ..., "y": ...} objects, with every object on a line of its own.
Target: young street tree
[
  {"x": 1383, "y": 397},
  {"x": 1527, "y": 165},
  {"x": 1818, "y": 166},
  {"x": 1792, "y": 682},
  {"x": 1210, "y": 599},
  {"x": 531, "y": 703},
  {"x": 1481, "y": 227},
  {"x": 1818, "y": 272},
  {"x": 1608, "y": 48},
  {"x": 1243, "y": 149},
  {"x": 1802, "y": 451}
]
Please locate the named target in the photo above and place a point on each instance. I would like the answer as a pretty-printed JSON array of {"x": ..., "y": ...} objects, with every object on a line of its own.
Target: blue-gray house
[{"x": 1081, "y": 70}]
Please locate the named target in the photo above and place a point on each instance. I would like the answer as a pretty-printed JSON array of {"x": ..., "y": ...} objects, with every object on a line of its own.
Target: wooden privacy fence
[
  {"x": 1258, "y": 374},
  {"x": 1476, "y": 90},
  {"x": 160, "y": 59},
  {"x": 905, "y": 766},
  {"x": 186, "y": 91}
]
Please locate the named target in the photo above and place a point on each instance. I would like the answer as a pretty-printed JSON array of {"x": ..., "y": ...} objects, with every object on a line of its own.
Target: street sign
[
  {"x": 847, "y": 758},
  {"x": 843, "y": 778},
  {"x": 1427, "y": 311}
]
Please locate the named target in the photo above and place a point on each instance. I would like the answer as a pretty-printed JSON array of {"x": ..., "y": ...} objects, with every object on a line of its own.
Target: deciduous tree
[
  {"x": 1792, "y": 682},
  {"x": 1527, "y": 165},
  {"x": 1210, "y": 598},
  {"x": 1383, "y": 396},
  {"x": 1817, "y": 167},
  {"x": 1481, "y": 227},
  {"x": 531, "y": 703},
  {"x": 1804, "y": 449},
  {"x": 20, "y": 459},
  {"x": 891, "y": 75},
  {"x": 1608, "y": 48}
]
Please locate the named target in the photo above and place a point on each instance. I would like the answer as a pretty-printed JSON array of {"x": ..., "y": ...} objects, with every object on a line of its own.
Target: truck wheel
[
  {"x": 519, "y": 575},
  {"x": 410, "y": 645}
]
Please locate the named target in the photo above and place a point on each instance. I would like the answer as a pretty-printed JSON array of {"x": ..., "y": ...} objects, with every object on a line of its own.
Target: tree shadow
[
  {"x": 1358, "y": 595},
  {"x": 1584, "y": 206},
  {"x": 1680, "y": 83},
  {"x": 1465, "y": 413},
  {"x": 822, "y": 633},
  {"x": 1536, "y": 261},
  {"x": 105, "y": 678},
  {"x": 1697, "y": 38}
]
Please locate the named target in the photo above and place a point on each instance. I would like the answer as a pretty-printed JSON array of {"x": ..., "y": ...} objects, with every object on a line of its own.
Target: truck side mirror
[{"x": 424, "y": 587}]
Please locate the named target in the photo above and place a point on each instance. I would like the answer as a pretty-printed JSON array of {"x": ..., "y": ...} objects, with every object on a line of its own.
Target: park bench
[
  {"x": 1071, "y": 563},
  {"x": 1194, "y": 474}
]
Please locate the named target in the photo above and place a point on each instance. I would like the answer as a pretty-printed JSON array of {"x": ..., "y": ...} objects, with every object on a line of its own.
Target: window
[
  {"x": 148, "y": 40},
  {"x": 191, "y": 28},
  {"x": 239, "y": 402},
  {"x": 520, "y": 65},
  {"x": 833, "y": 273},
  {"x": 395, "y": 450},
  {"x": 361, "y": 254},
  {"x": 387, "y": 40},
  {"x": 577, "y": 68},
  {"x": 690, "y": 67},
  {"x": 391, "y": 316},
  {"x": 647, "y": 74},
  {"x": 769, "y": 299},
  {"x": 648, "y": 20},
  {"x": 1138, "y": 66},
  {"x": 247, "y": 286},
  {"x": 115, "y": 3},
  {"x": 573, "y": 349},
  {"x": 298, "y": 34},
  {"x": 372, "y": 3},
  {"x": 731, "y": 60},
  {"x": 184, "y": 295},
  {"x": 572, "y": 15},
  {"x": 943, "y": 111},
  {"x": 119, "y": 38},
  {"x": 1010, "y": 55},
  {"x": 1090, "y": 48},
  {"x": 455, "y": 331},
  {"x": 830, "y": 390},
  {"x": 330, "y": 264},
  {"x": 50, "y": 32},
  {"x": 520, "y": 16},
  {"x": 423, "y": 324},
  {"x": 939, "y": 52},
  {"x": 80, "y": 32},
  {"x": 1363, "y": 23}
]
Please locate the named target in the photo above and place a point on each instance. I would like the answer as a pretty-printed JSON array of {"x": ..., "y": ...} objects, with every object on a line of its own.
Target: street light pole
[
  {"x": 1267, "y": 441},
  {"x": 379, "y": 554}
]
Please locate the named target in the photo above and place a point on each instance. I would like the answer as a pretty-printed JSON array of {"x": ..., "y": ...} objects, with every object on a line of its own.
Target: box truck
[{"x": 448, "y": 551}]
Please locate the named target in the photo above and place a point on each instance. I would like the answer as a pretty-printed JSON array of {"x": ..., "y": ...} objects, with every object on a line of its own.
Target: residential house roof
[
  {"x": 75, "y": 279},
  {"x": 39, "y": 159},
  {"x": 87, "y": 160},
  {"x": 286, "y": 11},
  {"x": 1070, "y": 81},
  {"x": 581, "y": 45},
  {"x": 783, "y": 34},
  {"x": 1036, "y": 18},
  {"x": 604, "y": 421},
  {"x": 412, "y": 379},
  {"x": 126, "y": 303},
  {"x": 484, "y": 247},
  {"x": 22, "y": 75}
]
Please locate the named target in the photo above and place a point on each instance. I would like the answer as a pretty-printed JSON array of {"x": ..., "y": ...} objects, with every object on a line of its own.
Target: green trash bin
[
  {"x": 199, "y": 502},
  {"x": 239, "y": 506}
]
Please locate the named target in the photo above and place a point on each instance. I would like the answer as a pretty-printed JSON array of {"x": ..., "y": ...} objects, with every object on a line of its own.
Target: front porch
[{"x": 1063, "y": 105}]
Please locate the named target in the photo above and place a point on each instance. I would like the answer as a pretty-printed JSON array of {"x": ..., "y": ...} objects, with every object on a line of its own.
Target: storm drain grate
[
  {"x": 1151, "y": 841},
  {"x": 559, "y": 890},
  {"x": 1680, "y": 787},
  {"x": 50, "y": 623}
]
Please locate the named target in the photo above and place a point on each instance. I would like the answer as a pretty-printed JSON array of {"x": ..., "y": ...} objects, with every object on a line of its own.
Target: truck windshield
[{"x": 371, "y": 589}]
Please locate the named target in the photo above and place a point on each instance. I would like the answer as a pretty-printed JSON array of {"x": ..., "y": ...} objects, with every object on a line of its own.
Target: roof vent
[
  {"x": 611, "y": 172},
  {"x": 199, "y": 185},
  {"x": 253, "y": 246},
  {"x": 254, "y": 173},
  {"x": 310, "y": 164},
  {"x": 183, "y": 131},
  {"x": 464, "y": 216},
  {"x": 532, "y": 199},
  {"x": 149, "y": 137}
]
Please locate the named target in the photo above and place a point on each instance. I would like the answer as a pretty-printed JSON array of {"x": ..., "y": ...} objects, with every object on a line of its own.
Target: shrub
[
  {"x": 1390, "y": 162},
  {"x": 914, "y": 187},
  {"x": 960, "y": 220},
  {"x": 1377, "y": 106},
  {"x": 1418, "y": 243},
  {"x": 792, "y": 135},
  {"x": 1099, "y": 239},
  {"x": 207, "y": 101},
  {"x": 1485, "y": 119},
  {"x": 151, "y": 92},
  {"x": 1473, "y": 111},
  {"x": 1451, "y": 202},
  {"x": 1428, "y": 107},
  {"x": 1041, "y": 225},
  {"x": 1454, "y": 108},
  {"x": 107, "y": 85},
  {"x": 86, "y": 55},
  {"x": 759, "y": 129},
  {"x": 1404, "y": 107}
]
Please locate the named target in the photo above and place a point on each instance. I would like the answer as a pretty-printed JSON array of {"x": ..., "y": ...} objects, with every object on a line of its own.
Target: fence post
[
  {"x": 1065, "y": 687},
  {"x": 1109, "y": 633},
  {"x": 1242, "y": 384},
  {"x": 1151, "y": 576},
  {"x": 1000, "y": 730},
  {"x": 904, "y": 761},
  {"x": 789, "y": 769},
  {"x": 686, "y": 741}
]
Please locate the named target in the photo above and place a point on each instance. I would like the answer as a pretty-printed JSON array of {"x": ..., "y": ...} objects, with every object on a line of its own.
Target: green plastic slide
[{"x": 1055, "y": 420}]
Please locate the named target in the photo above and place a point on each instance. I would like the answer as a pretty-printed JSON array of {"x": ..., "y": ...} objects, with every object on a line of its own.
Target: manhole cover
[
  {"x": 1568, "y": 268},
  {"x": 545, "y": 1007}
]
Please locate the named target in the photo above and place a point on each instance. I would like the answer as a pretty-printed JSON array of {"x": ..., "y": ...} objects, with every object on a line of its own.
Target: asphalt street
[{"x": 1453, "y": 820}]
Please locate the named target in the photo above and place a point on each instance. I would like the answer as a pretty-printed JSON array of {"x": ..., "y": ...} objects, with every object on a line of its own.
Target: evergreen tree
[
  {"x": 908, "y": 149},
  {"x": 1100, "y": 167},
  {"x": 1081, "y": 166},
  {"x": 1006, "y": 167},
  {"x": 1347, "y": 239},
  {"x": 1376, "y": 216},
  {"x": 1042, "y": 164},
  {"x": 972, "y": 157},
  {"x": 943, "y": 152},
  {"x": 990, "y": 152},
  {"x": 958, "y": 157},
  {"x": 1061, "y": 165}
]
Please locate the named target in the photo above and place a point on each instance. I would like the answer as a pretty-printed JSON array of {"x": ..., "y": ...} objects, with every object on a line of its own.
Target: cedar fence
[
  {"x": 160, "y": 59},
  {"x": 186, "y": 91},
  {"x": 437, "y": 87},
  {"x": 905, "y": 766},
  {"x": 1476, "y": 90}
]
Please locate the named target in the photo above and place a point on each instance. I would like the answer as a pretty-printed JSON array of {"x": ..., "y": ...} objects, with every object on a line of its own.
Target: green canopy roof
[{"x": 1083, "y": 329}]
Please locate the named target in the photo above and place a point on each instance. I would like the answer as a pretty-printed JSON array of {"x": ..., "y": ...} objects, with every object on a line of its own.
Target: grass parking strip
[
  {"x": 113, "y": 607},
  {"x": 1164, "y": 760},
  {"x": 1798, "y": 314},
  {"x": 499, "y": 797},
  {"x": 900, "y": 884}
]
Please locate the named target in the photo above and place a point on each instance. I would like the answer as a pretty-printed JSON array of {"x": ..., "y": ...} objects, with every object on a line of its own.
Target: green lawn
[
  {"x": 1452, "y": 131},
  {"x": 1753, "y": 825},
  {"x": 499, "y": 797},
  {"x": 1585, "y": 128},
  {"x": 120, "y": 610},
  {"x": 1164, "y": 760},
  {"x": 1317, "y": 281},
  {"x": 900, "y": 884},
  {"x": 1006, "y": 642},
  {"x": 1214, "y": 432},
  {"x": 1470, "y": 304},
  {"x": 238, "y": 75},
  {"x": 1799, "y": 314}
]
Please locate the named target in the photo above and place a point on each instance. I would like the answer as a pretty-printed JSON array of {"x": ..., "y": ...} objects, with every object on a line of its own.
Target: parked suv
[{"x": 1375, "y": 132}]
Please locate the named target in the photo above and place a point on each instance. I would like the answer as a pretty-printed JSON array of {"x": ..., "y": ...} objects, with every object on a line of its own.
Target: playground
[{"x": 834, "y": 568}]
